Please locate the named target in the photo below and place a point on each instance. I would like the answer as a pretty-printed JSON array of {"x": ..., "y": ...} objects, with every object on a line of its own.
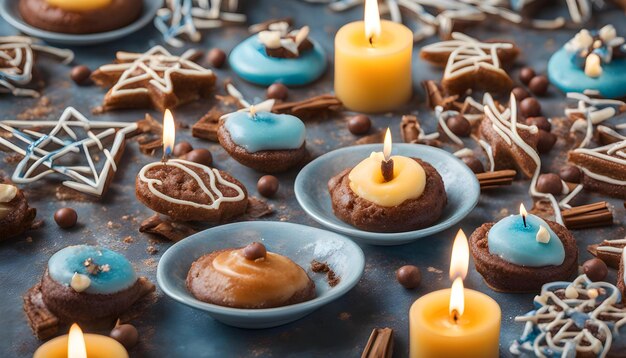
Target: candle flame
[
  {"x": 372, "y": 20},
  {"x": 76, "y": 343},
  {"x": 459, "y": 261},
  {"x": 522, "y": 210},
  {"x": 387, "y": 145},
  {"x": 457, "y": 299},
  {"x": 169, "y": 133}
]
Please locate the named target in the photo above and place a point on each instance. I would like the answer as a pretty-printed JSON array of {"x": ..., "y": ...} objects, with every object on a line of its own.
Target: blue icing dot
[
  {"x": 265, "y": 131},
  {"x": 121, "y": 275},
  {"x": 251, "y": 63},
  {"x": 569, "y": 77},
  {"x": 515, "y": 243}
]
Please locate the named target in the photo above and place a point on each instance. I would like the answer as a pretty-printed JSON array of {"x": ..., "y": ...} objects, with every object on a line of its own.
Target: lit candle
[
  {"x": 455, "y": 322},
  {"x": 169, "y": 135},
  {"x": 373, "y": 63},
  {"x": 79, "y": 345},
  {"x": 387, "y": 180},
  {"x": 79, "y": 5}
]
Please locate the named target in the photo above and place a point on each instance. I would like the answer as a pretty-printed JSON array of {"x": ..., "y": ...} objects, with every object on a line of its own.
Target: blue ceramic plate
[
  {"x": 298, "y": 242},
  {"x": 9, "y": 11},
  {"x": 311, "y": 189}
]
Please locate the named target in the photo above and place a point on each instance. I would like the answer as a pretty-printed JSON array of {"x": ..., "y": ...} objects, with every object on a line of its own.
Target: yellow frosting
[
  {"x": 366, "y": 180},
  {"x": 7, "y": 193},
  {"x": 79, "y": 5},
  {"x": 272, "y": 280}
]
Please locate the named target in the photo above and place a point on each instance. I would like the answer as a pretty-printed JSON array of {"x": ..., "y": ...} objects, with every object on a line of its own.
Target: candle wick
[
  {"x": 455, "y": 316},
  {"x": 524, "y": 219},
  {"x": 386, "y": 168},
  {"x": 371, "y": 39}
]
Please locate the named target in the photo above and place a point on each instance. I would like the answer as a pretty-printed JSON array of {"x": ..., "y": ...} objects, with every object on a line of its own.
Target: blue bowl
[
  {"x": 311, "y": 189},
  {"x": 300, "y": 243},
  {"x": 9, "y": 11}
]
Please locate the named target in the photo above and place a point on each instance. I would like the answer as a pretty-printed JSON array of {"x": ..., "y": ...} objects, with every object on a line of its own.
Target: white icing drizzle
[
  {"x": 565, "y": 202},
  {"x": 156, "y": 65},
  {"x": 465, "y": 152},
  {"x": 442, "y": 116},
  {"x": 611, "y": 132},
  {"x": 265, "y": 106},
  {"x": 608, "y": 248},
  {"x": 84, "y": 178},
  {"x": 594, "y": 110},
  {"x": 17, "y": 52},
  {"x": 213, "y": 192}
]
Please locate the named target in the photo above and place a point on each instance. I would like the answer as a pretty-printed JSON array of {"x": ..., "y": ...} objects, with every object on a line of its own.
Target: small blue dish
[
  {"x": 300, "y": 243},
  {"x": 311, "y": 189},
  {"x": 10, "y": 13}
]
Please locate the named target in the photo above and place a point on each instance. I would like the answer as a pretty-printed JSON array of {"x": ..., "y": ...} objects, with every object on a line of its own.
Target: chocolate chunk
[
  {"x": 80, "y": 75},
  {"x": 474, "y": 164},
  {"x": 200, "y": 156},
  {"x": 126, "y": 334},
  {"x": 359, "y": 124},
  {"x": 541, "y": 123},
  {"x": 66, "y": 217},
  {"x": 550, "y": 183},
  {"x": 410, "y": 129},
  {"x": 459, "y": 125},
  {"x": 216, "y": 57},
  {"x": 546, "y": 141},
  {"x": 254, "y": 251},
  {"x": 530, "y": 107},
  {"x": 267, "y": 185},
  {"x": 520, "y": 93},
  {"x": 539, "y": 85},
  {"x": 526, "y": 75},
  {"x": 207, "y": 126},
  {"x": 316, "y": 107},
  {"x": 570, "y": 174},
  {"x": 257, "y": 208},
  {"x": 595, "y": 269},
  {"x": 409, "y": 276},
  {"x": 277, "y": 91},
  {"x": 166, "y": 228},
  {"x": 182, "y": 148}
]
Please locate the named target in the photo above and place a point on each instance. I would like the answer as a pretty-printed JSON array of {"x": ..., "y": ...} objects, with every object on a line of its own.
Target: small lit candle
[
  {"x": 79, "y": 5},
  {"x": 169, "y": 135},
  {"x": 386, "y": 166},
  {"x": 373, "y": 63},
  {"x": 455, "y": 322},
  {"x": 79, "y": 345}
]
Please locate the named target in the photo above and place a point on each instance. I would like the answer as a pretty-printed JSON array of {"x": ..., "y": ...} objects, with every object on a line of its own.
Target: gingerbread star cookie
[{"x": 604, "y": 168}]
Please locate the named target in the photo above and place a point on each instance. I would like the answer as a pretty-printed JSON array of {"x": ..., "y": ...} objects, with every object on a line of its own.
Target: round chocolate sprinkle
[
  {"x": 540, "y": 122},
  {"x": 254, "y": 251},
  {"x": 216, "y": 57},
  {"x": 277, "y": 91},
  {"x": 66, "y": 217},
  {"x": 359, "y": 124},
  {"x": 520, "y": 93},
  {"x": 550, "y": 184},
  {"x": 459, "y": 125},
  {"x": 474, "y": 164},
  {"x": 545, "y": 142},
  {"x": 526, "y": 74},
  {"x": 182, "y": 148},
  {"x": 595, "y": 269},
  {"x": 126, "y": 334},
  {"x": 409, "y": 276},
  {"x": 267, "y": 185},
  {"x": 571, "y": 174},
  {"x": 539, "y": 85},
  {"x": 530, "y": 107},
  {"x": 80, "y": 74},
  {"x": 200, "y": 156}
]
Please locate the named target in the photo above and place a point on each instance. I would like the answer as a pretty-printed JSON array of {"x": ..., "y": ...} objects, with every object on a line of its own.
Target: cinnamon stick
[
  {"x": 495, "y": 179},
  {"x": 380, "y": 344},
  {"x": 588, "y": 216}
]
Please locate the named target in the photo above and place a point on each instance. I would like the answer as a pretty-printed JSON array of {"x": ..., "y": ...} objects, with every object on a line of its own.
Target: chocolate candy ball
[
  {"x": 409, "y": 276},
  {"x": 66, "y": 217},
  {"x": 526, "y": 74},
  {"x": 520, "y": 93},
  {"x": 540, "y": 122},
  {"x": 267, "y": 185},
  {"x": 200, "y": 156},
  {"x": 595, "y": 269},
  {"x": 80, "y": 74},
  {"x": 474, "y": 164},
  {"x": 254, "y": 251},
  {"x": 182, "y": 148},
  {"x": 571, "y": 174},
  {"x": 550, "y": 183},
  {"x": 277, "y": 91},
  {"x": 539, "y": 85},
  {"x": 459, "y": 125},
  {"x": 359, "y": 124},
  {"x": 216, "y": 57},
  {"x": 126, "y": 334},
  {"x": 530, "y": 107},
  {"x": 545, "y": 142}
]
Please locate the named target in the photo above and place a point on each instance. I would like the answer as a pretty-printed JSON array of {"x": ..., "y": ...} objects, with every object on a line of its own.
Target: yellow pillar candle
[
  {"x": 373, "y": 67},
  {"x": 76, "y": 344},
  {"x": 80, "y": 5}
]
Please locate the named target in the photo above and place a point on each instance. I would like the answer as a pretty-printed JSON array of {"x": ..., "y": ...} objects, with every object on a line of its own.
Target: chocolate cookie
[
  {"x": 43, "y": 15},
  {"x": 188, "y": 191},
  {"x": 507, "y": 277},
  {"x": 412, "y": 214},
  {"x": 604, "y": 168},
  {"x": 15, "y": 214}
]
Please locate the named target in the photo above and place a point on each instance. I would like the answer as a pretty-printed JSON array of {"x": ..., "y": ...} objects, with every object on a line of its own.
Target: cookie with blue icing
[
  {"x": 262, "y": 140},
  {"x": 87, "y": 284},
  {"x": 591, "y": 61},
  {"x": 279, "y": 55},
  {"x": 574, "y": 319}
]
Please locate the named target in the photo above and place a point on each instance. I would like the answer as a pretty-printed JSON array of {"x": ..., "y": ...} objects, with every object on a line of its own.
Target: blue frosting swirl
[
  {"x": 250, "y": 62},
  {"x": 265, "y": 131},
  {"x": 517, "y": 244},
  {"x": 119, "y": 276}
]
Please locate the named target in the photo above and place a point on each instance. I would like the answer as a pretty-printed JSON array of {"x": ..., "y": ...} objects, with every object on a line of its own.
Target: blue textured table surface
[{"x": 341, "y": 329}]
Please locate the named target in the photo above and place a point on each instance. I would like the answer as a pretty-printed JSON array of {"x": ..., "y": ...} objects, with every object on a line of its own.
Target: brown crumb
[
  {"x": 13, "y": 158},
  {"x": 152, "y": 250},
  {"x": 41, "y": 109},
  {"x": 344, "y": 316},
  {"x": 37, "y": 224},
  {"x": 128, "y": 239},
  {"x": 322, "y": 267}
]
